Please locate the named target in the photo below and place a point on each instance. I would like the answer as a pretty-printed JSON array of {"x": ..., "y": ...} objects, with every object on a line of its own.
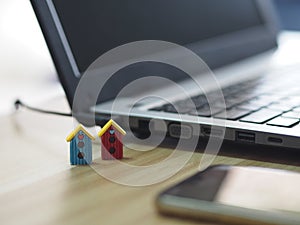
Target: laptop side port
[
  {"x": 275, "y": 140},
  {"x": 180, "y": 131},
  {"x": 144, "y": 131},
  {"x": 214, "y": 132},
  {"x": 245, "y": 137},
  {"x": 206, "y": 131}
]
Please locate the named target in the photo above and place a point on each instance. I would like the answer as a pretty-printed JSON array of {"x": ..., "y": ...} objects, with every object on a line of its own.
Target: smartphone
[{"x": 236, "y": 195}]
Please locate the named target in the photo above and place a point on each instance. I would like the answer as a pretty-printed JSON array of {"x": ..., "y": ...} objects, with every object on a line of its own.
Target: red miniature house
[{"x": 111, "y": 138}]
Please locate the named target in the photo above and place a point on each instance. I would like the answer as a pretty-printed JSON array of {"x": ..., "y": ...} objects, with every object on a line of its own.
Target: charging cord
[
  {"x": 85, "y": 118},
  {"x": 19, "y": 103}
]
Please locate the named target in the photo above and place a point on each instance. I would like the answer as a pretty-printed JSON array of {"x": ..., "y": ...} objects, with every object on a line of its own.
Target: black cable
[
  {"x": 83, "y": 117},
  {"x": 19, "y": 103}
]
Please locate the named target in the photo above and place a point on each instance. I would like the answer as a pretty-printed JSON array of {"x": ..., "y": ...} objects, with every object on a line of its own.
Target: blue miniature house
[{"x": 80, "y": 146}]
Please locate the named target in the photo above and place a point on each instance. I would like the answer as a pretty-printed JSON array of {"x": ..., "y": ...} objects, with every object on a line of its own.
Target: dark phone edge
[
  {"x": 199, "y": 173},
  {"x": 231, "y": 214}
]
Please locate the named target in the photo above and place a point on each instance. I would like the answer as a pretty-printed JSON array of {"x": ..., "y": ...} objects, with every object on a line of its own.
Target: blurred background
[
  {"x": 26, "y": 68},
  {"x": 288, "y": 13}
]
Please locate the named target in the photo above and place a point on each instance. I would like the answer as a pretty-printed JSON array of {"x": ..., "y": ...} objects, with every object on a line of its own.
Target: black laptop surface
[{"x": 231, "y": 35}]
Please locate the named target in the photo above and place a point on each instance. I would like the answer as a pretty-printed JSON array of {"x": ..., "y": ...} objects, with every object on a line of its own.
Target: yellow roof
[
  {"x": 74, "y": 132},
  {"x": 111, "y": 123}
]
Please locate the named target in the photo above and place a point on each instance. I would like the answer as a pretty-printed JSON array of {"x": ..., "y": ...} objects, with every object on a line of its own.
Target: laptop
[{"x": 235, "y": 38}]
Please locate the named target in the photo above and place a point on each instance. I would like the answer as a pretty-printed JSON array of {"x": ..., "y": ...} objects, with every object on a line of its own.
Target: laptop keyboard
[{"x": 261, "y": 101}]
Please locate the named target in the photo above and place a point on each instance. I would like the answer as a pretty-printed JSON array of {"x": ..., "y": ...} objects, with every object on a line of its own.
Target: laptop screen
[{"x": 93, "y": 27}]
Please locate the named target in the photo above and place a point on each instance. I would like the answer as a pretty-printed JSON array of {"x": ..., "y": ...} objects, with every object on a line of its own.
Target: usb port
[
  {"x": 214, "y": 132},
  {"x": 245, "y": 137},
  {"x": 206, "y": 131},
  {"x": 275, "y": 140}
]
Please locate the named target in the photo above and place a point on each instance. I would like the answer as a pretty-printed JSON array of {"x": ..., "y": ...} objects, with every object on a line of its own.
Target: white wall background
[{"x": 26, "y": 69}]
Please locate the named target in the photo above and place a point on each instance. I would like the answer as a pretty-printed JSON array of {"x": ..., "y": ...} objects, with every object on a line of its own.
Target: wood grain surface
[{"x": 38, "y": 186}]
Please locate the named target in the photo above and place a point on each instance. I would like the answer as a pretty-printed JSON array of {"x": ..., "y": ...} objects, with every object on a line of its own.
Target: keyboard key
[
  {"x": 263, "y": 101},
  {"x": 293, "y": 101},
  {"x": 171, "y": 109},
  {"x": 227, "y": 104},
  {"x": 255, "y": 104},
  {"x": 240, "y": 98},
  {"x": 235, "y": 89},
  {"x": 206, "y": 111},
  {"x": 186, "y": 105},
  {"x": 292, "y": 114},
  {"x": 247, "y": 95},
  {"x": 249, "y": 106},
  {"x": 199, "y": 101},
  {"x": 280, "y": 107},
  {"x": 158, "y": 109},
  {"x": 261, "y": 116},
  {"x": 283, "y": 122},
  {"x": 296, "y": 109},
  {"x": 233, "y": 114},
  {"x": 214, "y": 96},
  {"x": 231, "y": 101}
]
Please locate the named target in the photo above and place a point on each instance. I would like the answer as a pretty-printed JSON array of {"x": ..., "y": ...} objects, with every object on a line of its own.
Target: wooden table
[{"x": 38, "y": 186}]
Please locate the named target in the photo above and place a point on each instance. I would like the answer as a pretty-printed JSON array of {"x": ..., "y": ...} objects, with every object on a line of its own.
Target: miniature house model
[
  {"x": 111, "y": 137},
  {"x": 80, "y": 146}
]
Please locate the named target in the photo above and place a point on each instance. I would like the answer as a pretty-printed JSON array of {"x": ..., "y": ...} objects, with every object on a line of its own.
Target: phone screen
[
  {"x": 244, "y": 187},
  {"x": 260, "y": 189}
]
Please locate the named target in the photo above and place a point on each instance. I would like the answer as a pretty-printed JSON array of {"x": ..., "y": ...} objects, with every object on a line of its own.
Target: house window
[
  {"x": 80, "y": 136},
  {"x": 112, "y": 139},
  {"x": 112, "y": 150},
  {"x": 80, "y": 144},
  {"x": 80, "y": 155}
]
